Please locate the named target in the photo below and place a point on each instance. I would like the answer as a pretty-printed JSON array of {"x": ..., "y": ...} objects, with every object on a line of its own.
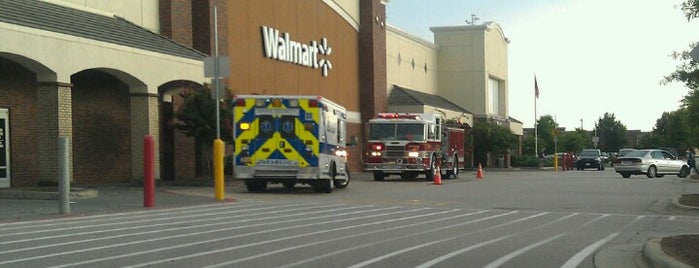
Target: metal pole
[
  {"x": 216, "y": 75},
  {"x": 63, "y": 176},
  {"x": 218, "y": 145}
]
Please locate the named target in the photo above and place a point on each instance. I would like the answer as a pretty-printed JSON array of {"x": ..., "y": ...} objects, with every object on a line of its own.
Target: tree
[
  {"x": 491, "y": 138},
  {"x": 671, "y": 130},
  {"x": 690, "y": 103},
  {"x": 545, "y": 128},
  {"x": 611, "y": 133},
  {"x": 574, "y": 141},
  {"x": 690, "y": 9},
  {"x": 197, "y": 118},
  {"x": 687, "y": 72}
]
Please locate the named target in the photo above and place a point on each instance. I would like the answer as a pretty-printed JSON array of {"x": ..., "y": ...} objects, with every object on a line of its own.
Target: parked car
[
  {"x": 651, "y": 162},
  {"x": 589, "y": 158},
  {"x": 624, "y": 151}
]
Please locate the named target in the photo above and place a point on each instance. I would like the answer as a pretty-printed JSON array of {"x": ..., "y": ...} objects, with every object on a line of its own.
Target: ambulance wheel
[
  {"x": 379, "y": 176},
  {"x": 256, "y": 186},
  {"x": 342, "y": 184},
  {"x": 430, "y": 173},
  {"x": 323, "y": 186}
]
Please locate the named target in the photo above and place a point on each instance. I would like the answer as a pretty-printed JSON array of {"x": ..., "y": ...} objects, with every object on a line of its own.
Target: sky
[{"x": 590, "y": 57}]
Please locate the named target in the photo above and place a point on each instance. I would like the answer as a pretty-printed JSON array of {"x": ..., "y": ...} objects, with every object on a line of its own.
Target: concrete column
[
  {"x": 144, "y": 121},
  {"x": 56, "y": 118}
]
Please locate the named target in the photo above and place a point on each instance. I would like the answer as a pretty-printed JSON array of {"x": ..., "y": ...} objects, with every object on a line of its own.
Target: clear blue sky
[{"x": 589, "y": 56}]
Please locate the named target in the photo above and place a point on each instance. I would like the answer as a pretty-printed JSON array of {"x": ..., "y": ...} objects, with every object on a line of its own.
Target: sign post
[{"x": 220, "y": 68}]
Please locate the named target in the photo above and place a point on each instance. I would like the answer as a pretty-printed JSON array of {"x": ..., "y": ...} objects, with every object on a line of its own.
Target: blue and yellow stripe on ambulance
[{"x": 297, "y": 149}]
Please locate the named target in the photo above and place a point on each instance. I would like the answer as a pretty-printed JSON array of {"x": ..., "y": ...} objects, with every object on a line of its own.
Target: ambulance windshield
[{"x": 397, "y": 131}]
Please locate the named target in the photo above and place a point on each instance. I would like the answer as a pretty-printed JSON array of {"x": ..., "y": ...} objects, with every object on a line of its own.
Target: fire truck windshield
[{"x": 395, "y": 131}]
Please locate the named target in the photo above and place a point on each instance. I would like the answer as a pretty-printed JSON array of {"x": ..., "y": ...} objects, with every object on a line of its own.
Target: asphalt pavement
[{"x": 32, "y": 204}]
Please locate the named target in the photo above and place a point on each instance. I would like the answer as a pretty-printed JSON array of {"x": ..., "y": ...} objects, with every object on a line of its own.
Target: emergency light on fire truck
[{"x": 399, "y": 116}]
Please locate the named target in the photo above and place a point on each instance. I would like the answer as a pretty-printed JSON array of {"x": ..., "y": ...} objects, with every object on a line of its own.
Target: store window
[{"x": 493, "y": 97}]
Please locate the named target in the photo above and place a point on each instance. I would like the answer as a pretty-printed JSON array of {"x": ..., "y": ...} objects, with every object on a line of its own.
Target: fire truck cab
[{"x": 411, "y": 144}]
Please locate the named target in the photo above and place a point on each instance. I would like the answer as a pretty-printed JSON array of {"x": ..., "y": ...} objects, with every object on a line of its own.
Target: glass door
[{"x": 4, "y": 148}]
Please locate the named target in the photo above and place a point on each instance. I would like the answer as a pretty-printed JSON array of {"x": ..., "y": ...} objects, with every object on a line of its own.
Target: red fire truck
[{"x": 410, "y": 144}]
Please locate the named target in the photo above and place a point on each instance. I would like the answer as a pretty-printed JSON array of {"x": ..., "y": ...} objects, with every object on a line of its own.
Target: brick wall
[
  {"x": 176, "y": 20},
  {"x": 101, "y": 129},
  {"x": 18, "y": 94},
  {"x": 372, "y": 58}
]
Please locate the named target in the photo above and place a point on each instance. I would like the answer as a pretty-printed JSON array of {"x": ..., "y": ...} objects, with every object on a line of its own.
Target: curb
[
  {"x": 656, "y": 257},
  {"x": 676, "y": 203},
  {"x": 75, "y": 194}
]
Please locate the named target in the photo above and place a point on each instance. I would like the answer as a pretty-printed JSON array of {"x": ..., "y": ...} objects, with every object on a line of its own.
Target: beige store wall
[
  {"x": 462, "y": 66},
  {"x": 141, "y": 12},
  {"x": 469, "y": 56},
  {"x": 497, "y": 64},
  {"x": 401, "y": 50}
]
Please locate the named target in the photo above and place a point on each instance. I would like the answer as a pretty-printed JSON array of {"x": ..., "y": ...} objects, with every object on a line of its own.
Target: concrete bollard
[{"x": 63, "y": 176}]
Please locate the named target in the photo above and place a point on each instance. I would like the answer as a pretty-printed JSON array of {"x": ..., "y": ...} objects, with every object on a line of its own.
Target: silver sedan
[{"x": 652, "y": 163}]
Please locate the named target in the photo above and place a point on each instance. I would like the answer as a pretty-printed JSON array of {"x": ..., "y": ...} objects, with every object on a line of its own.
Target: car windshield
[
  {"x": 397, "y": 131},
  {"x": 589, "y": 153}
]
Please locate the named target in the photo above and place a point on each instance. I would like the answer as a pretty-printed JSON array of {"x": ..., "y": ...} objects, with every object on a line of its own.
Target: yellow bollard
[{"x": 218, "y": 169}]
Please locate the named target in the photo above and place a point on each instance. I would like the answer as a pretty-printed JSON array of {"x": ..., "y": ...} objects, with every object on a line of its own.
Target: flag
[{"x": 536, "y": 88}]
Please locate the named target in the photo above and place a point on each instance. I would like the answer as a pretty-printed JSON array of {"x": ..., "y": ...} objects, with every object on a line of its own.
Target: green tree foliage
[
  {"x": 671, "y": 130},
  {"x": 574, "y": 141},
  {"x": 690, "y": 104},
  {"x": 197, "y": 116},
  {"x": 687, "y": 72},
  {"x": 611, "y": 133},
  {"x": 545, "y": 128},
  {"x": 528, "y": 145},
  {"x": 690, "y": 9},
  {"x": 491, "y": 138}
]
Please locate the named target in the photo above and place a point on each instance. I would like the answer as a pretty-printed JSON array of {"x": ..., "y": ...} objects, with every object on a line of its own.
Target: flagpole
[{"x": 536, "y": 132}]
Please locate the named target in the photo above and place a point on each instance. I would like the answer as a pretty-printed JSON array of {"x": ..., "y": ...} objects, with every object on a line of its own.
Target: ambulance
[{"x": 290, "y": 140}]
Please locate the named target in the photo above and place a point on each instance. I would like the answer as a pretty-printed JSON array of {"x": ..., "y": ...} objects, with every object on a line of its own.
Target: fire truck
[
  {"x": 290, "y": 140},
  {"x": 411, "y": 144}
]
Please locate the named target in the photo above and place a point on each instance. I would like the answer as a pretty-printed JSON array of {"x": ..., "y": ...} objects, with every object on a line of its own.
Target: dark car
[{"x": 589, "y": 158}]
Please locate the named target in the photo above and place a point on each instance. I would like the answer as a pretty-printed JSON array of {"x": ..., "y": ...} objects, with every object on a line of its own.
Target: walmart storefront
[{"x": 114, "y": 79}]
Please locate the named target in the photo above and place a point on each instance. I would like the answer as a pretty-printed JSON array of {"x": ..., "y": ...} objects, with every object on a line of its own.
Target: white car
[{"x": 651, "y": 162}]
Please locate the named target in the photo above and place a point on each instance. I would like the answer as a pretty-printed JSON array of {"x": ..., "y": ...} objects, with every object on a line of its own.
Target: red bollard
[{"x": 148, "y": 171}]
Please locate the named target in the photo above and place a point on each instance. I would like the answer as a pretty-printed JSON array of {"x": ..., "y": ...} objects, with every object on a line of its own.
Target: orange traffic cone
[
  {"x": 438, "y": 177},
  {"x": 479, "y": 173}
]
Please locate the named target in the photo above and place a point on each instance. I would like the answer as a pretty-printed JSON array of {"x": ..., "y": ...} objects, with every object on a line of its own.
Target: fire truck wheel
[
  {"x": 342, "y": 184},
  {"x": 379, "y": 176},
  {"x": 323, "y": 186},
  {"x": 430, "y": 173},
  {"x": 256, "y": 186}
]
